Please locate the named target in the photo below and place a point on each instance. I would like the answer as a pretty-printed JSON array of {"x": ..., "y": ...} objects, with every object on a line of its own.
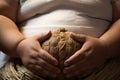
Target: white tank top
[{"x": 91, "y": 17}]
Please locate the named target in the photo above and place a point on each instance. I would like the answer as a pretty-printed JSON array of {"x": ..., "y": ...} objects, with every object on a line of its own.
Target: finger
[
  {"x": 48, "y": 66},
  {"x": 47, "y": 57},
  {"x": 79, "y": 55},
  {"x": 38, "y": 70},
  {"x": 78, "y": 64},
  {"x": 78, "y": 37},
  {"x": 75, "y": 67},
  {"x": 78, "y": 74},
  {"x": 43, "y": 37},
  {"x": 81, "y": 69},
  {"x": 69, "y": 69}
]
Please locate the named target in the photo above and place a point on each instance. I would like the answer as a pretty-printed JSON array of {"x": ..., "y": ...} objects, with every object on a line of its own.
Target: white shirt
[{"x": 91, "y": 17}]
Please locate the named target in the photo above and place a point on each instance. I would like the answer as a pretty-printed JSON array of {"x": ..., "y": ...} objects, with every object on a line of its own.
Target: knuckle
[{"x": 42, "y": 63}]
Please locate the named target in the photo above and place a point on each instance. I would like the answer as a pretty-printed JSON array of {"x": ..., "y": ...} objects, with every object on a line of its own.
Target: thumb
[
  {"x": 42, "y": 37},
  {"x": 78, "y": 37}
]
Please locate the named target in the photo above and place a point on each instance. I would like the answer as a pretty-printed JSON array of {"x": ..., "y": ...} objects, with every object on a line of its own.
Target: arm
[
  {"x": 9, "y": 33},
  {"x": 9, "y": 36},
  {"x": 112, "y": 36},
  {"x": 29, "y": 50},
  {"x": 95, "y": 51},
  {"x": 112, "y": 39}
]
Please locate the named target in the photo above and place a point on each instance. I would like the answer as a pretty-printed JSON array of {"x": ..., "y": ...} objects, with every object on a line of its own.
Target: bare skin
[
  {"x": 95, "y": 51},
  {"x": 13, "y": 43},
  {"x": 35, "y": 58}
]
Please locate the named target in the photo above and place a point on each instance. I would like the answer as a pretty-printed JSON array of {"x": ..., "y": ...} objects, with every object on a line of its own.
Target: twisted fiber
[
  {"x": 14, "y": 70},
  {"x": 59, "y": 47},
  {"x": 111, "y": 71}
]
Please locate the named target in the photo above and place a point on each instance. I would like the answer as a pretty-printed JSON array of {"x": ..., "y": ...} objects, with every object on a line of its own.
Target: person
[
  {"x": 11, "y": 38},
  {"x": 99, "y": 33}
]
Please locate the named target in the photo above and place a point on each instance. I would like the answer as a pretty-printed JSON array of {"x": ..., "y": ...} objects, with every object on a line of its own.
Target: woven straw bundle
[{"x": 61, "y": 46}]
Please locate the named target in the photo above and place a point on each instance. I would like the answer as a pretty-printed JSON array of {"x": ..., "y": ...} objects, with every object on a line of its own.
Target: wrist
[
  {"x": 105, "y": 48},
  {"x": 17, "y": 45},
  {"x": 111, "y": 49}
]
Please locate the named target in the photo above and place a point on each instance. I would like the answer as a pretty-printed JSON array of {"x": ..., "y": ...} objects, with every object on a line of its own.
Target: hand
[
  {"x": 87, "y": 59},
  {"x": 35, "y": 58}
]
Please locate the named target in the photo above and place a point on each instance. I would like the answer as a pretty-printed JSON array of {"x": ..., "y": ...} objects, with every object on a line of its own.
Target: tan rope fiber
[
  {"x": 61, "y": 46},
  {"x": 14, "y": 69}
]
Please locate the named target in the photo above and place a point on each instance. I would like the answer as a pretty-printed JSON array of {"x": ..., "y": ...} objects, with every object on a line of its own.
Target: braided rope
[
  {"x": 111, "y": 71},
  {"x": 14, "y": 70},
  {"x": 61, "y": 46}
]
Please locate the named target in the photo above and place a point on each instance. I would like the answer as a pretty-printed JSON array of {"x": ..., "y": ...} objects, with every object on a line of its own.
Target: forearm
[
  {"x": 9, "y": 36},
  {"x": 112, "y": 39}
]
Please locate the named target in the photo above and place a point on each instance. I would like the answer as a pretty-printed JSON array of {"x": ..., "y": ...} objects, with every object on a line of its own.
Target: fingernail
[
  {"x": 66, "y": 70},
  {"x": 66, "y": 63},
  {"x": 55, "y": 62},
  {"x": 46, "y": 33}
]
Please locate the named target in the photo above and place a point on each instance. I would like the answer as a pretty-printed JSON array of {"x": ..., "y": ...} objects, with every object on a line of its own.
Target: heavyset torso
[{"x": 91, "y": 17}]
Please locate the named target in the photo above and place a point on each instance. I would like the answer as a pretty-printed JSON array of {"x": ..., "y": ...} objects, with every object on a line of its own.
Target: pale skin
[
  {"x": 13, "y": 43},
  {"x": 94, "y": 51}
]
